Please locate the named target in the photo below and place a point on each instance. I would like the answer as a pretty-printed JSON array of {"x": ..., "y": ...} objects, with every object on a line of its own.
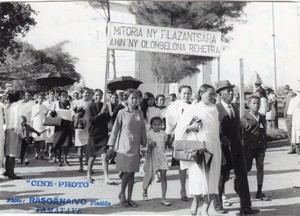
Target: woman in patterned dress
[{"x": 156, "y": 159}]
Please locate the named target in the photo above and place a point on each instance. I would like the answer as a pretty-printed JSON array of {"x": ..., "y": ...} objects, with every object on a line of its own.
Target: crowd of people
[{"x": 132, "y": 125}]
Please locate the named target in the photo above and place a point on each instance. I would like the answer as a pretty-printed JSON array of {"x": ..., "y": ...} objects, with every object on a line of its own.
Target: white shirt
[
  {"x": 227, "y": 108},
  {"x": 293, "y": 104}
]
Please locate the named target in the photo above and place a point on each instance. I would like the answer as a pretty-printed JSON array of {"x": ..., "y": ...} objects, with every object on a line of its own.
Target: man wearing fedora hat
[{"x": 232, "y": 148}]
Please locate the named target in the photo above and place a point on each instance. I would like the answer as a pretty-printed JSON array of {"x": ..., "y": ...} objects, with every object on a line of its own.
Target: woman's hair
[
  {"x": 12, "y": 97},
  {"x": 202, "y": 89},
  {"x": 128, "y": 92},
  {"x": 98, "y": 90},
  {"x": 144, "y": 103},
  {"x": 158, "y": 96},
  {"x": 184, "y": 86},
  {"x": 40, "y": 94},
  {"x": 114, "y": 94},
  {"x": 51, "y": 91},
  {"x": 155, "y": 118},
  {"x": 62, "y": 91}
]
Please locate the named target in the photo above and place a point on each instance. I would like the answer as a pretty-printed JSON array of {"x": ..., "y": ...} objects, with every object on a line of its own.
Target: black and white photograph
[{"x": 149, "y": 107}]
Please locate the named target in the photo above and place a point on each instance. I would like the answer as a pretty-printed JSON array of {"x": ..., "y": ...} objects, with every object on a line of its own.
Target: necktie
[{"x": 231, "y": 113}]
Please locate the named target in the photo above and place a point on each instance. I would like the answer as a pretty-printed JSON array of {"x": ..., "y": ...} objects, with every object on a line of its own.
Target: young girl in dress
[
  {"x": 156, "y": 159},
  {"x": 127, "y": 134}
]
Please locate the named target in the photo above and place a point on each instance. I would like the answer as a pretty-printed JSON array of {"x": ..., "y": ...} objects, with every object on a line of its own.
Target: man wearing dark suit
[{"x": 230, "y": 136}]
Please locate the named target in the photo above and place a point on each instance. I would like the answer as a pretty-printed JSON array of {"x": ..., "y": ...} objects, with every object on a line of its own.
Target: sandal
[
  {"x": 132, "y": 204},
  {"x": 166, "y": 202},
  {"x": 123, "y": 200}
]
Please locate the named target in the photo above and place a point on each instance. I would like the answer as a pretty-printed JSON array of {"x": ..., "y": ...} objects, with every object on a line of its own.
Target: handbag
[
  {"x": 50, "y": 121},
  {"x": 185, "y": 150}
]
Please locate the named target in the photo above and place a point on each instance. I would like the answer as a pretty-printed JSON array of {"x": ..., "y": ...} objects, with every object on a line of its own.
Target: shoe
[
  {"x": 123, "y": 200},
  {"x": 165, "y": 202},
  {"x": 292, "y": 151},
  {"x": 262, "y": 197},
  {"x": 27, "y": 162},
  {"x": 60, "y": 164},
  {"x": 248, "y": 210},
  {"x": 81, "y": 170},
  {"x": 14, "y": 176},
  {"x": 184, "y": 197},
  {"x": 132, "y": 204},
  {"x": 221, "y": 210},
  {"x": 121, "y": 175}
]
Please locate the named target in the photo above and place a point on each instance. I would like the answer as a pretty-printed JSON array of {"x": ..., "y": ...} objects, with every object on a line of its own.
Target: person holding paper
[
  {"x": 63, "y": 134},
  {"x": 200, "y": 122}
]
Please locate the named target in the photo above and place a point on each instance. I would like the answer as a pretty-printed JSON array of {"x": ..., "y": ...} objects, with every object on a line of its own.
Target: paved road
[{"x": 282, "y": 173}]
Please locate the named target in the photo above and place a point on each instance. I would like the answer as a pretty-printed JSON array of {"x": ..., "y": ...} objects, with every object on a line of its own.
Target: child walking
[
  {"x": 156, "y": 159},
  {"x": 127, "y": 134},
  {"x": 254, "y": 137}
]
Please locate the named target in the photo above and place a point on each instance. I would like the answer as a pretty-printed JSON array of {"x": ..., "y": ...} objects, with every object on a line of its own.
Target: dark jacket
[
  {"x": 230, "y": 128},
  {"x": 98, "y": 129},
  {"x": 254, "y": 133}
]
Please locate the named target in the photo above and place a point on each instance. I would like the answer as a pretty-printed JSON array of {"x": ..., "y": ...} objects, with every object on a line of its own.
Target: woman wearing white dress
[
  {"x": 37, "y": 120},
  {"x": 206, "y": 130},
  {"x": 13, "y": 132},
  {"x": 49, "y": 103},
  {"x": 173, "y": 114},
  {"x": 82, "y": 135}
]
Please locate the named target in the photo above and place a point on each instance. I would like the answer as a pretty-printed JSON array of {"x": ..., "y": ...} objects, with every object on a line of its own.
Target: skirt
[{"x": 13, "y": 143}]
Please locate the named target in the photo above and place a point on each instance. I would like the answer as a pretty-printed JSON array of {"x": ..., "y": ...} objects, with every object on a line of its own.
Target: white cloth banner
[{"x": 123, "y": 36}]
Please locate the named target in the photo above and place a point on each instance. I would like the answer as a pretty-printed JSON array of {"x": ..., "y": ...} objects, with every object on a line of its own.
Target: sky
[{"x": 252, "y": 40}]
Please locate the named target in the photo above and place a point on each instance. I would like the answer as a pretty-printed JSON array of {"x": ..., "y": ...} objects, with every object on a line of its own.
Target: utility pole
[{"x": 274, "y": 50}]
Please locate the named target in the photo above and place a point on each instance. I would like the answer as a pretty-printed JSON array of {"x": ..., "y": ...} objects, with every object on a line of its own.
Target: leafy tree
[
  {"x": 213, "y": 15},
  {"x": 15, "y": 19},
  {"x": 24, "y": 62}
]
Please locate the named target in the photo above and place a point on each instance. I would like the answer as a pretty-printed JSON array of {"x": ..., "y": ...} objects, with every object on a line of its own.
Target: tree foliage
[
  {"x": 15, "y": 19},
  {"x": 24, "y": 62},
  {"x": 213, "y": 15}
]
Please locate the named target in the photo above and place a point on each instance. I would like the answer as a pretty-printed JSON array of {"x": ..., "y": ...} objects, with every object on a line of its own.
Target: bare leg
[
  {"x": 206, "y": 204},
  {"x": 195, "y": 204},
  {"x": 130, "y": 186},
  {"x": 163, "y": 178},
  {"x": 105, "y": 167},
  {"x": 182, "y": 178},
  {"x": 90, "y": 167},
  {"x": 80, "y": 155}
]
